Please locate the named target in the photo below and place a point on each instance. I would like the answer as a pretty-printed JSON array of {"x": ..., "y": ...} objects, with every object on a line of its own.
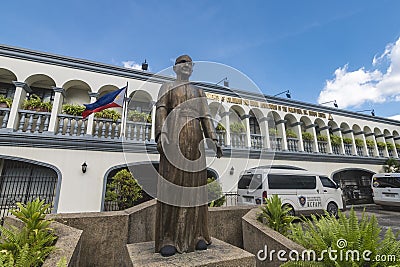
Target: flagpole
[{"x": 124, "y": 109}]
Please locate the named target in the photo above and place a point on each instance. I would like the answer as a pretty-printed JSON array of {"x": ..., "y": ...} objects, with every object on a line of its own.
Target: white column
[
  {"x": 391, "y": 141},
  {"x": 354, "y": 149},
  {"x": 225, "y": 116},
  {"x": 153, "y": 123},
  {"x": 59, "y": 94},
  {"x": 365, "y": 149},
  {"x": 93, "y": 98},
  {"x": 375, "y": 146},
  {"x": 314, "y": 133},
  {"x": 280, "y": 125},
  {"x": 21, "y": 89},
  {"x": 248, "y": 137},
  {"x": 325, "y": 131},
  {"x": 265, "y": 133},
  {"x": 297, "y": 130}
]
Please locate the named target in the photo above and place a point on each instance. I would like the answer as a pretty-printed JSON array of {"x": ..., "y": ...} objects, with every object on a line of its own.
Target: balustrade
[
  {"x": 380, "y": 151},
  {"x": 371, "y": 152},
  {"x": 293, "y": 144},
  {"x": 71, "y": 125},
  {"x": 221, "y": 135},
  {"x": 390, "y": 153},
  {"x": 276, "y": 143},
  {"x": 138, "y": 131},
  {"x": 360, "y": 150},
  {"x": 323, "y": 147},
  {"x": 256, "y": 141},
  {"x": 4, "y": 115},
  {"x": 308, "y": 146},
  {"x": 347, "y": 149},
  {"x": 33, "y": 121},
  {"x": 106, "y": 128},
  {"x": 238, "y": 140},
  {"x": 336, "y": 149}
]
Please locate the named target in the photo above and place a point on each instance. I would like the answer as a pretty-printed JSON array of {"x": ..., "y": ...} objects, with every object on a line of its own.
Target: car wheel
[
  {"x": 291, "y": 210},
  {"x": 332, "y": 209}
]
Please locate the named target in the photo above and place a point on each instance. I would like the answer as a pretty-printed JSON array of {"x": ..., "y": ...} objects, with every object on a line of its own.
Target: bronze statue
[{"x": 182, "y": 117}]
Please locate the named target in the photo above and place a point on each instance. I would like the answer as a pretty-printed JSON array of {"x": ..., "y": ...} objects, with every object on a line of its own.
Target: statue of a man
[{"x": 182, "y": 117}]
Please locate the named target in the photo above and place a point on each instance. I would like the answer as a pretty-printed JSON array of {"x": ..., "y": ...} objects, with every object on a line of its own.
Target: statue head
[{"x": 183, "y": 67}]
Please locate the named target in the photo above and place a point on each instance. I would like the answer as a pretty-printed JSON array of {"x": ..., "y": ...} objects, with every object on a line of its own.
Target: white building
[{"x": 41, "y": 152}]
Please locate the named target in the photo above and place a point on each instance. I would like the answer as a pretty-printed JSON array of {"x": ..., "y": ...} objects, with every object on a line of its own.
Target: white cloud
[
  {"x": 395, "y": 117},
  {"x": 132, "y": 65},
  {"x": 353, "y": 88}
]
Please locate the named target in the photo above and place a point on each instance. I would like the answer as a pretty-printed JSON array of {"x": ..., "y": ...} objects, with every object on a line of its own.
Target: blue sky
[{"x": 319, "y": 50}]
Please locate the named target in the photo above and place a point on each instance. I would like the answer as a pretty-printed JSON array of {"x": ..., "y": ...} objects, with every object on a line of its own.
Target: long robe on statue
[{"x": 182, "y": 214}]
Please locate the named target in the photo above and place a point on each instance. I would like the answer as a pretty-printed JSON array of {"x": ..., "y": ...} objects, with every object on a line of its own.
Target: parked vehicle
[
  {"x": 386, "y": 189},
  {"x": 304, "y": 192}
]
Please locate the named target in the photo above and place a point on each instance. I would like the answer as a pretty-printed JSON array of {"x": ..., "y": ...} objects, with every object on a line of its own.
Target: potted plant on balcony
[
  {"x": 359, "y": 142},
  {"x": 390, "y": 146},
  {"x": 273, "y": 132},
  {"x": 108, "y": 114},
  {"x": 220, "y": 128},
  {"x": 381, "y": 145},
  {"x": 290, "y": 133},
  {"x": 237, "y": 127},
  {"x": 36, "y": 104},
  {"x": 322, "y": 138},
  {"x": 307, "y": 136},
  {"x": 397, "y": 146},
  {"x": 73, "y": 109},
  {"x": 370, "y": 143},
  {"x": 336, "y": 140},
  {"x": 136, "y": 116},
  {"x": 347, "y": 141},
  {"x": 5, "y": 102}
]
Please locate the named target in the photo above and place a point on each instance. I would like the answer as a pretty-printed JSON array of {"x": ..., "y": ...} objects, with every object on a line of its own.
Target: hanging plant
[
  {"x": 5, "y": 102},
  {"x": 35, "y": 103},
  {"x": 73, "y": 109},
  {"x": 381, "y": 144},
  {"x": 370, "y": 143},
  {"x": 108, "y": 114},
  {"x": 347, "y": 141},
  {"x": 290, "y": 133},
  {"x": 389, "y": 146},
  {"x": 237, "y": 127},
  {"x": 307, "y": 136},
  {"x": 359, "y": 142},
  {"x": 220, "y": 127},
  {"x": 273, "y": 131},
  {"x": 322, "y": 138},
  {"x": 336, "y": 140}
]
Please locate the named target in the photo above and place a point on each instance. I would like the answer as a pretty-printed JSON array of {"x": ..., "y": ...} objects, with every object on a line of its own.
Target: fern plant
[
  {"x": 35, "y": 103},
  {"x": 275, "y": 215},
  {"x": 6, "y": 100},
  {"x": 290, "y": 133},
  {"x": 108, "y": 114},
  {"x": 237, "y": 127},
  {"x": 344, "y": 235},
  {"x": 336, "y": 140},
  {"x": 322, "y": 138},
  {"x": 347, "y": 141},
  {"x": 307, "y": 136},
  {"x": 370, "y": 143},
  {"x": 359, "y": 142},
  {"x": 72, "y": 109},
  {"x": 389, "y": 146}
]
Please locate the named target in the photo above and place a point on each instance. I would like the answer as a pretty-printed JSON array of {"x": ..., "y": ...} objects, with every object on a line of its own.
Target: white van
[
  {"x": 304, "y": 192},
  {"x": 386, "y": 189}
]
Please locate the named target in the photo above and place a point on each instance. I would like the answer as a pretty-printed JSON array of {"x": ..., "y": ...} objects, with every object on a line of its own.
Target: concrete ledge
[
  {"x": 257, "y": 235},
  {"x": 218, "y": 254}
]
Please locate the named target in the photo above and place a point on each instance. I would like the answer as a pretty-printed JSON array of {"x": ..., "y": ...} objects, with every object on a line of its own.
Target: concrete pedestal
[{"x": 218, "y": 254}]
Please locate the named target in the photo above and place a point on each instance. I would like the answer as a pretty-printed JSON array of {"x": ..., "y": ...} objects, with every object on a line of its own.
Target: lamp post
[
  {"x": 333, "y": 101},
  {"x": 225, "y": 80},
  {"x": 287, "y": 94},
  {"x": 371, "y": 110}
]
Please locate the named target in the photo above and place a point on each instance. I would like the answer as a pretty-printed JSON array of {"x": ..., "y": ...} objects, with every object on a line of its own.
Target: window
[
  {"x": 326, "y": 182},
  {"x": 46, "y": 95},
  {"x": 278, "y": 181},
  {"x": 250, "y": 182},
  {"x": 393, "y": 182},
  {"x": 7, "y": 90}
]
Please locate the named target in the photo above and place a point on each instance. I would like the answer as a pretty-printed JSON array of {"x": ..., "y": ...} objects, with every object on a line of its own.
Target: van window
[
  {"x": 250, "y": 181},
  {"x": 278, "y": 181},
  {"x": 393, "y": 182},
  {"x": 326, "y": 182}
]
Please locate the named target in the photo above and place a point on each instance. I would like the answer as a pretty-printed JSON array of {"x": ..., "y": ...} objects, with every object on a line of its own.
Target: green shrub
[
  {"x": 136, "y": 116},
  {"x": 336, "y": 140},
  {"x": 397, "y": 146},
  {"x": 35, "y": 103},
  {"x": 328, "y": 233},
  {"x": 381, "y": 144},
  {"x": 273, "y": 131},
  {"x": 30, "y": 245},
  {"x": 220, "y": 127},
  {"x": 276, "y": 216},
  {"x": 108, "y": 114},
  {"x": 237, "y": 127},
  {"x": 214, "y": 189},
  {"x": 370, "y": 143},
  {"x": 123, "y": 189},
  {"x": 307, "y": 136},
  {"x": 359, "y": 142},
  {"x": 290, "y": 133},
  {"x": 322, "y": 138},
  {"x": 389, "y": 146},
  {"x": 6, "y": 100},
  {"x": 347, "y": 141},
  {"x": 72, "y": 109},
  {"x": 391, "y": 165}
]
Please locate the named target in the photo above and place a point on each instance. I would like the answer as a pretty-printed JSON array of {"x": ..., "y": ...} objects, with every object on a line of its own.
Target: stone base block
[{"x": 218, "y": 254}]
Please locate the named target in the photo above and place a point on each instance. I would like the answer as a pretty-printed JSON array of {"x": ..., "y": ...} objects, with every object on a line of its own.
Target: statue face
[{"x": 184, "y": 68}]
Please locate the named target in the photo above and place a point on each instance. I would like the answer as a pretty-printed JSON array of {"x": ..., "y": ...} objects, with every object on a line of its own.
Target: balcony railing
[
  {"x": 293, "y": 144},
  {"x": 322, "y": 147},
  {"x": 106, "y": 128},
  {"x": 276, "y": 143},
  {"x": 371, "y": 152},
  {"x": 360, "y": 150},
  {"x": 221, "y": 136},
  {"x": 308, "y": 146},
  {"x": 390, "y": 153},
  {"x": 336, "y": 149},
  {"x": 136, "y": 131},
  {"x": 380, "y": 151},
  {"x": 398, "y": 152},
  {"x": 71, "y": 125},
  {"x": 347, "y": 149},
  {"x": 4, "y": 115},
  {"x": 238, "y": 140},
  {"x": 33, "y": 121},
  {"x": 256, "y": 141}
]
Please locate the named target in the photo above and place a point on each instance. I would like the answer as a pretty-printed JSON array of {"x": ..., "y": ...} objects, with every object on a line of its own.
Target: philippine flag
[{"x": 110, "y": 100}]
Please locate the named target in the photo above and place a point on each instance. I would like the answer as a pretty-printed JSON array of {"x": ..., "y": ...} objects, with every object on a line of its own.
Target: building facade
[{"x": 42, "y": 150}]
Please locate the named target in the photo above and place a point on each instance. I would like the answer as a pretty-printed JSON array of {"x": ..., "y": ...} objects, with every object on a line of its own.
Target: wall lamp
[
  {"x": 225, "y": 80},
  {"x": 287, "y": 94},
  {"x": 84, "y": 167},
  {"x": 372, "y": 111},
  {"x": 333, "y": 101},
  {"x": 232, "y": 171}
]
